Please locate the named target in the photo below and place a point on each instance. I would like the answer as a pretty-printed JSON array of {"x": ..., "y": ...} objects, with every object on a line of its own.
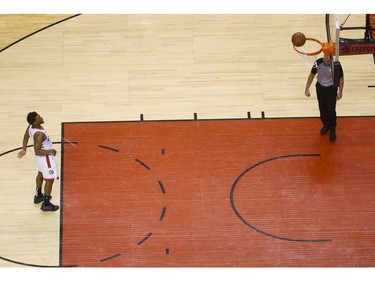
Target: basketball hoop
[{"x": 312, "y": 48}]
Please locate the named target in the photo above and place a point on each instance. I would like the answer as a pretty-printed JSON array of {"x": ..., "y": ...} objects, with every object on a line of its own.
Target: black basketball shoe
[
  {"x": 49, "y": 207},
  {"x": 39, "y": 198},
  {"x": 332, "y": 135},
  {"x": 324, "y": 130}
]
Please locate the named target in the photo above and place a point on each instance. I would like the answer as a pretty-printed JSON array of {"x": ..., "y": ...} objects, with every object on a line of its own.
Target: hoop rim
[{"x": 313, "y": 53}]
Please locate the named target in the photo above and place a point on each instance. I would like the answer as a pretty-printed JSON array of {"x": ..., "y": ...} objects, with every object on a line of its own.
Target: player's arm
[
  {"x": 38, "y": 141},
  {"x": 341, "y": 87},
  {"x": 308, "y": 84},
  {"x": 24, "y": 144}
]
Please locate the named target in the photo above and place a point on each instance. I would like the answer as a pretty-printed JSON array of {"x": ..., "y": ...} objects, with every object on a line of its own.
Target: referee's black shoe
[
  {"x": 332, "y": 135},
  {"x": 324, "y": 130}
]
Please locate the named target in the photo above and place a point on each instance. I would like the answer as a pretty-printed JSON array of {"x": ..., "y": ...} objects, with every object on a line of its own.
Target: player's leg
[
  {"x": 47, "y": 165},
  {"x": 47, "y": 205},
  {"x": 38, "y": 197},
  {"x": 48, "y": 188}
]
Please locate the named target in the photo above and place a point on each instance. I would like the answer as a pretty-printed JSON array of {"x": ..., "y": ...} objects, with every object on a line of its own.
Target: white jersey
[
  {"x": 325, "y": 75},
  {"x": 46, "y": 163},
  {"x": 46, "y": 144}
]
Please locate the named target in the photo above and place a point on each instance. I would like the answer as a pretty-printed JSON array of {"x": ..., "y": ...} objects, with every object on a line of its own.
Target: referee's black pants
[{"x": 327, "y": 105}]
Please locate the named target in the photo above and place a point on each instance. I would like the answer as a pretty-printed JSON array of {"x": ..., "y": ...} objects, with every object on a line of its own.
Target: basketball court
[{"x": 182, "y": 143}]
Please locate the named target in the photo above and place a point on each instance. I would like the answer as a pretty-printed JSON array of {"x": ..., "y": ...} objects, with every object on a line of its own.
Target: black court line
[
  {"x": 143, "y": 164},
  {"x": 15, "y": 149},
  {"x": 61, "y": 196},
  {"x": 213, "y": 119},
  {"x": 109, "y": 148},
  {"x": 144, "y": 239},
  {"x": 162, "y": 213},
  {"x": 161, "y": 186},
  {"x": 33, "y": 265},
  {"x": 35, "y": 32},
  {"x": 30, "y": 145},
  {"x": 253, "y": 227},
  {"x": 110, "y": 258}
]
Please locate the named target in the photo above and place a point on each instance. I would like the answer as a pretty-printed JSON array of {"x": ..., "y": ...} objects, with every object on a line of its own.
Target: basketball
[{"x": 298, "y": 39}]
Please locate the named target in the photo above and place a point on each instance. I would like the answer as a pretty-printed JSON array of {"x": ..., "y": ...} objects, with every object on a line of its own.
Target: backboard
[{"x": 333, "y": 35}]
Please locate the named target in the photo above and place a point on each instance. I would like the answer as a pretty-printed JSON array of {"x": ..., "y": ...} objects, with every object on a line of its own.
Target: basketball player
[
  {"x": 45, "y": 158},
  {"x": 327, "y": 94}
]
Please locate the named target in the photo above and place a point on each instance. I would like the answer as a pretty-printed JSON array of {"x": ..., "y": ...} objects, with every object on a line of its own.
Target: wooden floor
[{"x": 163, "y": 67}]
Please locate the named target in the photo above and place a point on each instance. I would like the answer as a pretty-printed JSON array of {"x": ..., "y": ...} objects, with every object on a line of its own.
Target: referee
[{"x": 327, "y": 93}]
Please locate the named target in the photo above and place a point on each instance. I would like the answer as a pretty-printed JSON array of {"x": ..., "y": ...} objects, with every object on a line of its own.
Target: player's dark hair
[{"x": 31, "y": 117}]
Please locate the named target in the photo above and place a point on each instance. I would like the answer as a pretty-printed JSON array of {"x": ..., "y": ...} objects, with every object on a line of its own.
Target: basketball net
[
  {"x": 308, "y": 61},
  {"x": 311, "y": 49}
]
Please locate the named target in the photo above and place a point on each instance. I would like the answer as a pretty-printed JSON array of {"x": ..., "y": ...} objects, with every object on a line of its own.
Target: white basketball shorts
[{"x": 48, "y": 167}]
